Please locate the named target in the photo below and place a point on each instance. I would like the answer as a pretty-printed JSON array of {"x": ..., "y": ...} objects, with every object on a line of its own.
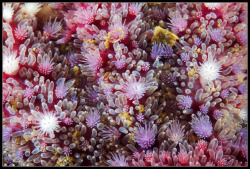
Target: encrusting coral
[{"x": 124, "y": 84}]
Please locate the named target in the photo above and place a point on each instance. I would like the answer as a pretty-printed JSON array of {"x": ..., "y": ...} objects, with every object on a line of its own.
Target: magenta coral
[
  {"x": 145, "y": 136},
  {"x": 202, "y": 126},
  {"x": 178, "y": 22},
  {"x": 61, "y": 90},
  {"x": 117, "y": 160},
  {"x": 92, "y": 118},
  {"x": 185, "y": 102},
  {"x": 46, "y": 66},
  {"x": 111, "y": 133},
  {"x": 203, "y": 109},
  {"x": 175, "y": 132}
]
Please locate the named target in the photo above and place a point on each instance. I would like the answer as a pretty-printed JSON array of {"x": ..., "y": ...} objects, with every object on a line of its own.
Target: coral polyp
[{"x": 124, "y": 84}]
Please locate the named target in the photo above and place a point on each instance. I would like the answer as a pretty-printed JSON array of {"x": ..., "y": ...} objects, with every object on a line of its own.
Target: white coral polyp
[
  {"x": 209, "y": 70},
  {"x": 213, "y": 6},
  {"x": 47, "y": 123},
  {"x": 7, "y": 12},
  {"x": 31, "y": 9},
  {"x": 10, "y": 63},
  {"x": 243, "y": 114},
  {"x": 134, "y": 89}
]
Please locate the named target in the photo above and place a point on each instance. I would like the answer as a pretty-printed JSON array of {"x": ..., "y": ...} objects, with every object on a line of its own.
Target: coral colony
[{"x": 124, "y": 84}]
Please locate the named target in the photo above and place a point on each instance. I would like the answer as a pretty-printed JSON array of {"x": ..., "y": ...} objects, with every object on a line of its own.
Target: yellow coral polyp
[
  {"x": 191, "y": 72},
  {"x": 213, "y": 90},
  {"x": 18, "y": 140},
  {"x": 89, "y": 41},
  {"x": 141, "y": 108},
  {"x": 198, "y": 50},
  {"x": 106, "y": 74},
  {"x": 236, "y": 49},
  {"x": 218, "y": 25},
  {"x": 60, "y": 163},
  {"x": 14, "y": 105},
  {"x": 131, "y": 138},
  {"x": 126, "y": 116},
  {"x": 164, "y": 36},
  {"x": 26, "y": 139},
  {"x": 106, "y": 43},
  {"x": 74, "y": 135},
  {"x": 76, "y": 69},
  {"x": 69, "y": 159},
  {"x": 200, "y": 30},
  {"x": 159, "y": 120}
]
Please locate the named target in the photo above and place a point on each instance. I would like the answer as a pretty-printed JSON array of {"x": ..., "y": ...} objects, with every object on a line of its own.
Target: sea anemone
[
  {"x": 92, "y": 118},
  {"x": 213, "y": 6},
  {"x": 242, "y": 37},
  {"x": 145, "y": 136},
  {"x": 21, "y": 32},
  {"x": 117, "y": 30},
  {"x": 157, "y": 50},
  {"x": 67, "y": 121},
  {"x": 202, "y": 126},
  {"x": 67, "y": 151},
  {"x": 134, "y": 8},
  {"x": 28, "y": 92},
  {"x": 197, "y": 41},
  {"x": 243, "y": 113},
  {"x": 6, "y": 134},
  {"x": 10, "y": 62},
  {"x": 216, "y": 35},
  {"x": 52, "y": 30},
  {"x": 209, "y": 70},
  {"x": 217, "y": 114},
  {"x": 175, "y": 132},
  {"x": 8, "y": 12},
  {"x": 117, "y": 160},
  {"x": 72, "y": 58},
  {"x": 184, "y": 102},
  {"x": 111, "y": 133},
  {"x": 183, "y": 157},
  {"x": 120, "y": 64},
  {"x": 47, "y": 122},
  {"x": 203, "y": 109},
  {"x": 178, "y": 23},
  {"x": 185, "y": 57},
  {"x": 140, "y": 117},
  {"x": 61, "y": 90},
  {"x": 92, "y": 60},
  {"x": 46, "y": 65},
  {"x": 167, "y": 51},
  {"x": 31, "y": 9},
  {"x": 202, "y": 145},
  {"x": 145, "y": 66},
  {"x": 224, "y": 93},
  {"x": 134, "y": 89},
  {"x": 84, "y": 16}
]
